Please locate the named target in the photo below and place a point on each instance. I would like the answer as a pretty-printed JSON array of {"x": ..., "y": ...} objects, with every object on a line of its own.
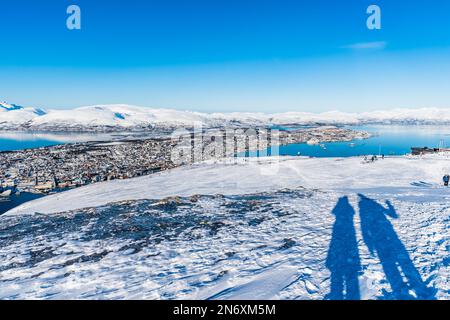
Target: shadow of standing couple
[{"x": 379, "y": 235}]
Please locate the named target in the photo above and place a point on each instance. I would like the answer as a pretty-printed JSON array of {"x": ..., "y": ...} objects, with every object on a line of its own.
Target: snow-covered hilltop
[
  {"x": 125, "y": 117},
  {"x": 267, "y": 228},
  {"x": 13, "y": 116},
  {"x": 261, "y": 175}
]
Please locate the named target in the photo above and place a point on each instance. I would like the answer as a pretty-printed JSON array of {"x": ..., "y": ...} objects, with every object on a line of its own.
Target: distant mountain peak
[{"x": 9, "y": 107}]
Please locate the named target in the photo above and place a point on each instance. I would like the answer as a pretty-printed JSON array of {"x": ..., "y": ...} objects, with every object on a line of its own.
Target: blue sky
[{"x": 233, "y": 55}]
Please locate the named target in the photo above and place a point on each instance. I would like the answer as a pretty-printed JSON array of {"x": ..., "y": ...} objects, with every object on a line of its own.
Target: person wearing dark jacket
[{"x": 446, "y": 179}]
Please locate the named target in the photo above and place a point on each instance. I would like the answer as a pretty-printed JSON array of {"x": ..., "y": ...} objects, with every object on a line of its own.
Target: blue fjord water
[
  {"x": 16, "y": 140},
  {"x": 11, "y": 144},
  {"x": 390, "y": 139},
  {"x": 386, "y": 139}
]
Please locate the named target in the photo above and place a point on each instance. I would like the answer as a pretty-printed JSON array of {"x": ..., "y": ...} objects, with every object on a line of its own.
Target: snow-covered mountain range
[{"x": 126, "y": 117}]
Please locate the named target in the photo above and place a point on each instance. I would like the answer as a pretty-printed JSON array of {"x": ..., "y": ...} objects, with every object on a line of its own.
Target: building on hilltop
[{"x": 418, "y": 151}]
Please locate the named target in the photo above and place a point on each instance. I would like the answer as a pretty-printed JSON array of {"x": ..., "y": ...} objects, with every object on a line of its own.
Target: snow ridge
[{"x": 128, "y": 117}]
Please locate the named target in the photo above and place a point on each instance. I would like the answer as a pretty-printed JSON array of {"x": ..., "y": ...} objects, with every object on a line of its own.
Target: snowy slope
[
  {"x": 262, "y": 175},
  {"x": 240, "y": 231},
  {"x": 331, "y": 117},
  {"x": 424, "y": 115},
  {"x": 116, "y": 115},
  {"x": 13, "y": 116},
  {"x": 9, "y": 107},
  {"x": 119, "y": 117}
]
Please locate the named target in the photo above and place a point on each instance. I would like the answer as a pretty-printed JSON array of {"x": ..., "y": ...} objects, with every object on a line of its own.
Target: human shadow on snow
[
  {"x": 343, "y": 258},
  {"x": 379, "y": 235}
]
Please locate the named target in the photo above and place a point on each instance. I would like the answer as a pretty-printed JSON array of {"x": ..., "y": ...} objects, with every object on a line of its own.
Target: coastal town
[{"x": 48, "y": 169}]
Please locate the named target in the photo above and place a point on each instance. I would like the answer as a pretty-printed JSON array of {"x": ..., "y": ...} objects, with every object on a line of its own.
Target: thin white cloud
[{"x": 377, "y": 45}]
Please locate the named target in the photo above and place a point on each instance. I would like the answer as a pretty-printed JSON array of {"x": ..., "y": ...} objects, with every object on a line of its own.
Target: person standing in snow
[{"x": 446, "y": 179}]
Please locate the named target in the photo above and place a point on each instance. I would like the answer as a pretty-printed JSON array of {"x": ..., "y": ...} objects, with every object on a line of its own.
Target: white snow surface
[
  {"x": 278, "y": 245},
  {"x": 12, "y": 115},
  {"x": 255, "y": 175},
  {"x": 123, "y": 116}
]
